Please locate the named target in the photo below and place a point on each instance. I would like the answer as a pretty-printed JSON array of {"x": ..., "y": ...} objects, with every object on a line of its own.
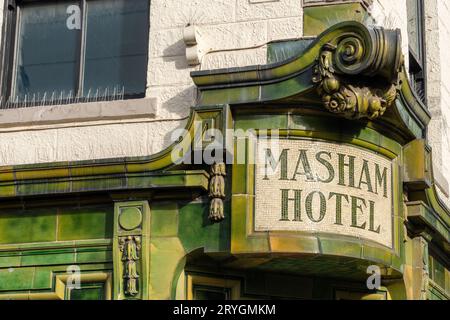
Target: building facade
[{"x": 224, "y": 149}]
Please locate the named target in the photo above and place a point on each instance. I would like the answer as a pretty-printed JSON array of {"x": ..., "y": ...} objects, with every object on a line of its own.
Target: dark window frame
[
  {"x": 417, "y": 62},
  {"x": 210, "y": 288},
  {"x": 8, "y": 50},
  {"x": 86, "y": 286},
  {"x": 435, "y": 255}
]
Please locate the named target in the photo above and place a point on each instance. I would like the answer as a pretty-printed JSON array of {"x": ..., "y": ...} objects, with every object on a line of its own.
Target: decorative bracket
[
  {"x": 352, "y": 101},
  {"x": 375, "y": 60}
]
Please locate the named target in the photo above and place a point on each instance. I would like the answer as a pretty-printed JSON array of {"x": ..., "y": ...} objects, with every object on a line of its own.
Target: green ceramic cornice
[
  {"x": 425, "y": 217},
  {"x": 189, "y": 179},
  {"x": 158, "y": 171},
  {"x": 49, "y": 246},
  {"x": 409, "y": 99},
  {"x": 425, "y": 208},
  {"x": 266, "y": 74},
  {"x": 317, "y": 17}
]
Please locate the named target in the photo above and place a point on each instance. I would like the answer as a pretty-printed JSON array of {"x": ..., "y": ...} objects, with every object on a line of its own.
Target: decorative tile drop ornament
[
  {"x": 130, "y": 247},
  {"x": 217, "y": 192}
]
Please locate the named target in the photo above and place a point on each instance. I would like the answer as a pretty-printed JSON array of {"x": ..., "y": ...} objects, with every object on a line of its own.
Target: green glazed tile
[
  {"x": 48, "y": 259},
  {"x": 239, "y": 180},
  {"x": 9, "y": 262},
  {"x": 32, "y": 189},
  {"x": 377, "y": 254},
  {"x": 16, "y": 279},
  {"x": 93, "y": 256},
  {"x": 85, "y": 223},
  {"x": 269, "y": 121},
  {"x": 168, "y": 180},
  {"x": 164, "y": 220},
  {"x": 42, "y": 278},
  {"x": 167, "y": 254},
  {"x": 301, "y": 122},
  {"x": 196, "y": 231},
  {"x": 27, "y": 226},
  {"x": 340, "y": 248},
  {"x": 98, "y": 184},
  {"x": 319, "y": 18}
]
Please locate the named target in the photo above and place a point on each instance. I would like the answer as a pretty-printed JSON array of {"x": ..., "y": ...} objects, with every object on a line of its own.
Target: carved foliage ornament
[{"x": 356, "y": 83}]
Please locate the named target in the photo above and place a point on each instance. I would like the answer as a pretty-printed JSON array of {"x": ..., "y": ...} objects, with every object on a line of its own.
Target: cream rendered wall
[
  {"x": 438, "y": 85},
  {"x": 222, "y": 26}
]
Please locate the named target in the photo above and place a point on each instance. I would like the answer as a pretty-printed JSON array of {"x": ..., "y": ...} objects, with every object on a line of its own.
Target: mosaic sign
[{"x": 323, "y": 187}]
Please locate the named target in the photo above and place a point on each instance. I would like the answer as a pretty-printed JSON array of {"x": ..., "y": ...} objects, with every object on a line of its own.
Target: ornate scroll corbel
[
  {"x": 358, "y": 77},
  {"x": 217, "y": 192}
]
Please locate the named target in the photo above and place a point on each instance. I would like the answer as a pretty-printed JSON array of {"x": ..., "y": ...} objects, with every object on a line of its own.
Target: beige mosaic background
[{"x": 268, "y": 192}]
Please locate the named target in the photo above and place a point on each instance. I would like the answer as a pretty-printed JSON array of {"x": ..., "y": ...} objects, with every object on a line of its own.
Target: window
[
  {"x": 211, "y": 293},
  {"x": 210, "y": 288},
  {"x": 438, "y": 271},
  {"x": 416, "y": 40},
  {"x": 92, "y": 286},
  {"x": 87, "y": 291},
  {"x": 77, "y": 49}
]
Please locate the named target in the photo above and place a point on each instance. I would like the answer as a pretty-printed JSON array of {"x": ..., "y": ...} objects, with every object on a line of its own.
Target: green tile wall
[
  {"x": 56, "y": 224},
  {"x": 164, "y": 219},
  {"x": 16, "y": 279},
  {"x": 27, "y": 226},
  {"x": 85, "y": 223},
  {"x": 196, "y": 231}
]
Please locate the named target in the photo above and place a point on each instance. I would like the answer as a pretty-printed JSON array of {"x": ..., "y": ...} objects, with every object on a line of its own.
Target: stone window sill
[{"x": 79, "y": 112}]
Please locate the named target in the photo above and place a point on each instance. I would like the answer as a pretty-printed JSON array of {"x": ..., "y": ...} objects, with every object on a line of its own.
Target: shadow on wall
[
  {"x": 176, "y": 102},
  {"x": 179, "y": 107},
  {"x": 177, "y": 99},
  {"x": 178, "y": 124},
  {"x": 176, "y": 49},
  {"x": 180, "y": 62}
]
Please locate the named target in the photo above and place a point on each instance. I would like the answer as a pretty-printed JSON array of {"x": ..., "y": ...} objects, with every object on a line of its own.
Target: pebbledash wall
[{"x": 83, "y": 186}]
